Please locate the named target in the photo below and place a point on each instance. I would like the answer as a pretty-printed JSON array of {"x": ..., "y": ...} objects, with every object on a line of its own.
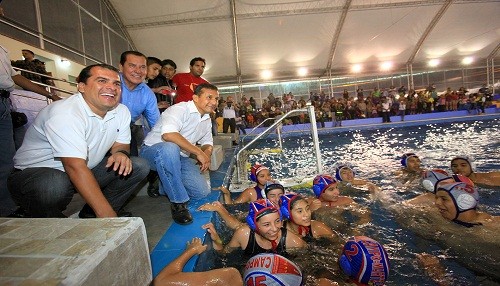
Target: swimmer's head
[
  {"x": 272, "y": 191},
  {"x": 321, "y": 183},
  {"x": 462, "y": 165},
  {"x": 452, "y": 199},
  {"x": 410, "y": 161},
  {"x": 286, "y": 204},
  {"x": 344, "y": 172},
  {"x": 258, "y": 209},
  {"x": 454, "y": 178},
  {"x": 255, "y": 170},
  {"x": 431, "y": 177},
  {"x": 365, "y": 261}
]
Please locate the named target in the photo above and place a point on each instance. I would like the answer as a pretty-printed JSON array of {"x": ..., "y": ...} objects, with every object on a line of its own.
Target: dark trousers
[
  {"x": 386, "y": 116},
  {"x": 229, "y": 123},
  {"x": 46, "y": 192},
  {"x": 7, "y": 205},
  {"x": 136, "y": 139}
]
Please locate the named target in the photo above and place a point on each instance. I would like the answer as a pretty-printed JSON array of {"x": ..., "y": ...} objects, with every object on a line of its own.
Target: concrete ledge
[
  {"x": 217, "y": 157},
  {"x": 225, "y": 141},
  {"x": 74, "y": 252}
]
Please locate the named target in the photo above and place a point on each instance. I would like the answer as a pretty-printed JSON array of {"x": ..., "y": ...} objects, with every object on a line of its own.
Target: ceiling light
[
  {"x": 65, "y": 63},
  {"x": 302, "y": 71},
  {"x": 385, "y": 66},
  {"x": 266, "y": 74},
  {"x": 467, "y": 60},
  {"x": 356, "y": 68},
  {"x": 434, "y": 62}
]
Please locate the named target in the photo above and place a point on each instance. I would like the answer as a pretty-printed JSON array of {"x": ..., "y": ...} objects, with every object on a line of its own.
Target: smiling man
[
  {"x": 179, "y": 148},
  {"x": 137, "y": 96},
  {"x": 80, "y": 143}
]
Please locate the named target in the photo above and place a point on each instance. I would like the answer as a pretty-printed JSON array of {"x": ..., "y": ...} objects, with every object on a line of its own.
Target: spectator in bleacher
[
  {"x": 171, "y": 150},
  {"x": 9, "y": 77},
  {"x": 79, "y": 144},
  {"x": 487, "y": 96},
  {"x": 386, "y": 109},
  {"x": 187, "y": 82},
  {"x": 137, "y": 96},
  {"x": 402, "y": 108},
  {"x": 229, "y": 109},
  {"x": 31, "y": 64},
  {"x": 163, "y": 86}
]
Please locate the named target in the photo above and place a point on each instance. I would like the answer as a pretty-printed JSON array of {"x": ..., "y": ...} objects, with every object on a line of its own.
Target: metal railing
[
  {"x": 314, "y": 133},
  {"x": 49, "y": 87}
]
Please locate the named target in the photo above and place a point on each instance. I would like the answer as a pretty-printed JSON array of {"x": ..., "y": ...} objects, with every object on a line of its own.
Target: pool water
[{"x": 375, "y": 155}]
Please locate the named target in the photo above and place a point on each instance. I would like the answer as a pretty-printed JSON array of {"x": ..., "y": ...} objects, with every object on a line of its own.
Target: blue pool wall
[{"x": 173, "y": 242}]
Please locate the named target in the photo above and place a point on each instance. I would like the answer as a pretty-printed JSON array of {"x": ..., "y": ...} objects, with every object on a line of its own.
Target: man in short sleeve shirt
[
  {"x": 187, "y": 82},
  {"x": 66, "y": 150},
  {"x": 172, "y": 150}
]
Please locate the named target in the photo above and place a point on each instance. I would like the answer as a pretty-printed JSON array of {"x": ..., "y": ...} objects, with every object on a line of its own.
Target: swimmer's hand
[
  {"x": 223, "y": 189},
  {"x": 315, "y": 204},
  {"x": 433, "y": 268},
  {"x": 196, "y": 245},
  {"x": 213, "y": 206},
  {"x": 373, "y": 188},
  {"x": 216, "y": 241}
]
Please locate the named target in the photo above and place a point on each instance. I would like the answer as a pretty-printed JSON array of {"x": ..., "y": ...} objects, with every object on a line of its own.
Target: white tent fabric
[{"x": 283, "y": 35}]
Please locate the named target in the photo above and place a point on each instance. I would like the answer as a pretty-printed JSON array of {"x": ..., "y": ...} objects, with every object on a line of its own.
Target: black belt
[{"x": 4, "y": 93}]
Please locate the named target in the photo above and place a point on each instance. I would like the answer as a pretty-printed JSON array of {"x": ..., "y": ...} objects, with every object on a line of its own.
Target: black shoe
[
  {"x": 180, "y": 213},
  {"x": 18, "y": 213},
  {"x": 153, "y": 191},
  {"x": 235, "y": 143}
]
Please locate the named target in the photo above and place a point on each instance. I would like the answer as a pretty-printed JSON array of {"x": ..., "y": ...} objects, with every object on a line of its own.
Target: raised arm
[
  {"x": 29, "y": 85},
  {"x": 193, "y": 248},
  {"x": 230, "y": 220}
]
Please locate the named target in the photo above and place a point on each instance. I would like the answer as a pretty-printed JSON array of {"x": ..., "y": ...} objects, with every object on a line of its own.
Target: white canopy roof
[{"x": 245, "y": 37}]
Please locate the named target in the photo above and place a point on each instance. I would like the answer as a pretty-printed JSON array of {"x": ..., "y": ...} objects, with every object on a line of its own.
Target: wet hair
[
  {"x": 86, "y": 72},
  {"x": 153, "y": 60},
  {"x": 199, "y": 87},
  {"x": 168, "y": 62},
  {"x": 123, "y": 57},
  {"x": 197, "y": 59},
  {"x": 29, "y": 51}
]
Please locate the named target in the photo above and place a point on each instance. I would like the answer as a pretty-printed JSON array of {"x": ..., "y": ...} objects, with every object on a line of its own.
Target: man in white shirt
[
  {"x": 66, "y": 150},
  {"x": 171, "y": 148}
]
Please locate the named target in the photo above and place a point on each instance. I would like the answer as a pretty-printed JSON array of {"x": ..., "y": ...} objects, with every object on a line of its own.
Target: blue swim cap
[
  {"x": 365, "y": 261},
  {"x": 258, "y": 209},
  {"x": 321, "y": 182},
  {"x": 286, "y": 202},
  {"x": 405, "y": 157},
  {"x": 464, "y": 196}
]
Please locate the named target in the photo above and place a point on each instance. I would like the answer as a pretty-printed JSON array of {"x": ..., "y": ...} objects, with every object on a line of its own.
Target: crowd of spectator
[{"x": 382, "y": 103}]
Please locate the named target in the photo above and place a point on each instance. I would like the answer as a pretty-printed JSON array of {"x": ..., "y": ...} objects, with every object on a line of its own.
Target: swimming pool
[{"x": 374, "y": 153}]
